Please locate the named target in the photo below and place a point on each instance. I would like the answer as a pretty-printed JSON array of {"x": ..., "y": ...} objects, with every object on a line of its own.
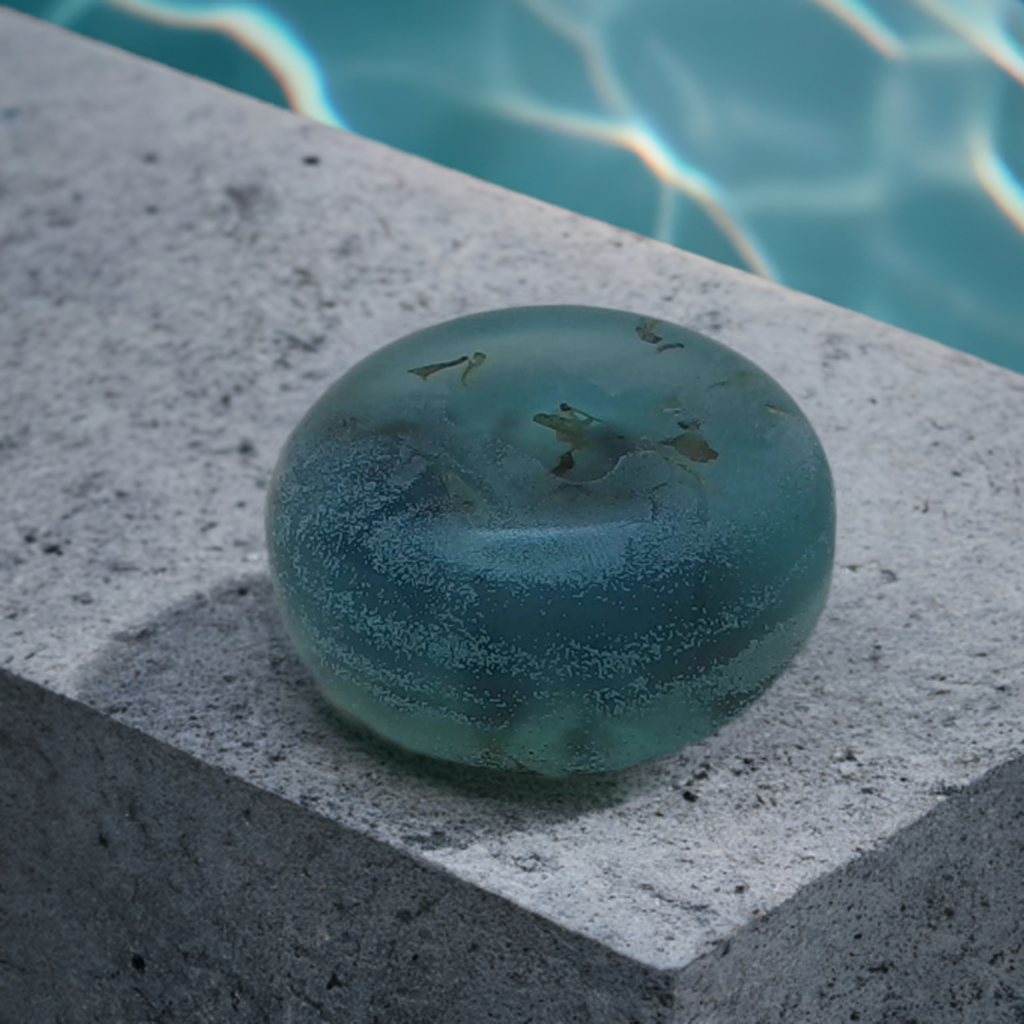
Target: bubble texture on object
[{"x": 550, "y": 539}]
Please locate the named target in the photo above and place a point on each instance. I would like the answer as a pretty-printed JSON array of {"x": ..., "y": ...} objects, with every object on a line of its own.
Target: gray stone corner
[{"x": 187, "y": 834}]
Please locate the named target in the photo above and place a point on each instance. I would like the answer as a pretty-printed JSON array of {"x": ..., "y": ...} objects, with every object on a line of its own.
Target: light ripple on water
[{"x": 869, "y": 155}]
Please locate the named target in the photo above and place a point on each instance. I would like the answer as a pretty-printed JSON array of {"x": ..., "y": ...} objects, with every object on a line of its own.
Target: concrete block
[{"x": 185, "y": 831}]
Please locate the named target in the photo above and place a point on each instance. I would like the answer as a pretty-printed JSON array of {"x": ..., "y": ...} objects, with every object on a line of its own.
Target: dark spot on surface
[
  {"x": 646, "y": 330},
  {"x": 834, "y": 350},
  {"x": 150, "y": 158},
  {"x": 888, "y": 576},
  {"x": 692, "y": 446},
  {"x": 30, "y": 538},
  {"x": 152, "y": 209},
  {"x": 333, "y": 981},
  {"x": 245, "y": 198},
  {"x": 565, "y": 464},
  {"x": 311, "y": 343},
  {"x": 103, "y": 841},
  {"x": 948, "y": 912},
  {"x": 246, "y": 447},
  {"x": 689, "y": 796},
  {"x": 431, "y": 368},
  {"x": 425, "y": 905},
  {"x": 10, "y": 113},
  {"x": 670, "y": 344},
  {"x": 600, "y": 442},
  {"x": 138, "y": 964},
  {"x": 740, "y": 889},
  {"x": 53, "y": 549},
  {"x": 349, "y": 245},
  {"x": 476, "y": 360},
  {"x": 311, "y": 160},
  {"x": 710, "y": 321}
]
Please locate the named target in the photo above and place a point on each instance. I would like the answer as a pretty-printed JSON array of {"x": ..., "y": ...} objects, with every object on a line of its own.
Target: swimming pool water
[{"x": 870, "y": 154}]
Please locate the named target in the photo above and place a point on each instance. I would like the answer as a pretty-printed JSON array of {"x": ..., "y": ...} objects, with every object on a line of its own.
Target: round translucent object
[{"x": 550, "y": 539}]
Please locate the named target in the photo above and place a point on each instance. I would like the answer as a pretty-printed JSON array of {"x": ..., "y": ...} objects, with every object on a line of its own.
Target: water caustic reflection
[
  {"x": 868, "y": 153},
  {"x": 551, "y": 540}
]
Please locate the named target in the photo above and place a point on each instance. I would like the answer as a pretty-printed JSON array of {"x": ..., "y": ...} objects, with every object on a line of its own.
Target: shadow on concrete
[{"x": 217, "y": 677}]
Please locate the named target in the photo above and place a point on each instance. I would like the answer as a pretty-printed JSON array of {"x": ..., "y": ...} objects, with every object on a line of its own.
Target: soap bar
[{"x": 552, "y": 539}]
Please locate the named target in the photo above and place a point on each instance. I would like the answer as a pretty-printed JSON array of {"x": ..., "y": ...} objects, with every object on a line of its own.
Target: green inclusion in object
[{"x": 550, "y": 539}]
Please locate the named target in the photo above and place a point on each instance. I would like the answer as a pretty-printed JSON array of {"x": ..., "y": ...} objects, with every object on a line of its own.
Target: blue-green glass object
[{"x": 552, "y": 539}]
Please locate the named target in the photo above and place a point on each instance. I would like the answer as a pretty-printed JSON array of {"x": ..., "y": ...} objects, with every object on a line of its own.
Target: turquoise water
[{"x": 870, "y": 154}]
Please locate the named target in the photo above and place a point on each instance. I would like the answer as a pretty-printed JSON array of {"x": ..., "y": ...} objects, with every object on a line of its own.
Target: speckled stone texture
[{"x": 182, "y": 272}]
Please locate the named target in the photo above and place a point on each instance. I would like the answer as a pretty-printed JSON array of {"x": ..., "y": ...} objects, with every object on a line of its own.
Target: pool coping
[{"x": 188, "y": 269}]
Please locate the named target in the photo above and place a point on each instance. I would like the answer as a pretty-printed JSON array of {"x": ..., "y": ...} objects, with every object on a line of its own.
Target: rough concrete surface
[{"x": 182, "y": 272}]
